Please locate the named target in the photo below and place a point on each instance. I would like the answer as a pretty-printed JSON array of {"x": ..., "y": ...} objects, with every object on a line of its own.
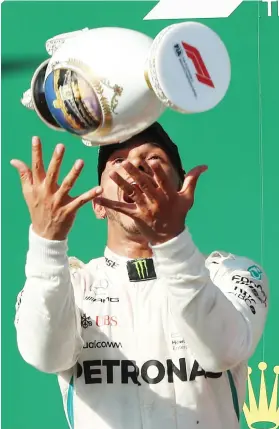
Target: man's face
[{"x": 143, "y": 156}]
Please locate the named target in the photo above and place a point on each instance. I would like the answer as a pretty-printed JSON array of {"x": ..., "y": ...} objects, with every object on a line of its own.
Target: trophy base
[{"x": 188, "y": 68}]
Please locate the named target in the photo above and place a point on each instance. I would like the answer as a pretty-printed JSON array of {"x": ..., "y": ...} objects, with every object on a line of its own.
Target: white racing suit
[{"x": 156, "y": 343}]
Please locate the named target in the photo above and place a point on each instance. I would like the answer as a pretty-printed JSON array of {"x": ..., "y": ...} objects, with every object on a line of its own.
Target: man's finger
[
  {"x": 162, "y": 179},
  {"x": 147, "y": 169},
  {"x": 145, "y": 182},
  {"x": 24, "y": 172},
  {"x": 83, "y": 199},
  {"x": 70, "y": 179},
  {"x": 190, "y": 182},
  {"x": 130, "y": 190},
  {"x": 38, "y": 169},
  {"x": 54, "y": 166},
  {"x": 128, "y": 209}
]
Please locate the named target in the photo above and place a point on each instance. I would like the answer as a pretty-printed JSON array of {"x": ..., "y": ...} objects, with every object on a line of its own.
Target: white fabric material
[{"x": 148, "y": 354}]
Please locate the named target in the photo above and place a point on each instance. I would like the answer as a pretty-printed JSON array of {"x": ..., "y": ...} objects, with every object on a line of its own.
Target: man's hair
[{"x": 153, "y": 134}]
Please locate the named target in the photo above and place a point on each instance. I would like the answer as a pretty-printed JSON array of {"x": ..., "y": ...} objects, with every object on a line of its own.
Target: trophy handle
[
  {"x": 27, "y": 100},
  {"x": 55, "y": 42}
]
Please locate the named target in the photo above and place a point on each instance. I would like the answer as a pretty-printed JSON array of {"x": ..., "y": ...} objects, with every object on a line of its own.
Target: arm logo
[
  {"x": 262, "y": 413},
  {"x": 255, "y": 272},
  {"x": 202, "y": 74}
]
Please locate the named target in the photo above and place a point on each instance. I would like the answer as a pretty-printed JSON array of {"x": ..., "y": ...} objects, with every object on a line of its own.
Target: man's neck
[{"x": 132, "y": 246}]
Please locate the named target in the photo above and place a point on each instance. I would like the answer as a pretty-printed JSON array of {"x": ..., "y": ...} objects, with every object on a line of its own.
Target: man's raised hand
[{"x": 51, "y": 208}]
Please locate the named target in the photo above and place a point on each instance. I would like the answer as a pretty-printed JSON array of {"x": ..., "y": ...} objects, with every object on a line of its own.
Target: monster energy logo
[
  {"x": 141, "y": 270},
  {"x": 141, "y": 267}
]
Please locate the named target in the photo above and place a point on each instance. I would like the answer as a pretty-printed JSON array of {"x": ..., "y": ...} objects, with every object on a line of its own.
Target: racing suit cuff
[
  {"x": 178, "y": 257},
  {"x": 45, "y": 255}
]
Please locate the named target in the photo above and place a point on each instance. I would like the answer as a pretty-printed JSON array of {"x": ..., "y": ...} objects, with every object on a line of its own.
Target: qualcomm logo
[
  {"x": 261, "y": 411},
  {"x": 141, "y": 267}
]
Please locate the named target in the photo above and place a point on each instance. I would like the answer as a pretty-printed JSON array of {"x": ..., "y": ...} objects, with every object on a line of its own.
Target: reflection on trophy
[
  {"x": 107, "y": 84},
  {"x": 75, "y": 99}
]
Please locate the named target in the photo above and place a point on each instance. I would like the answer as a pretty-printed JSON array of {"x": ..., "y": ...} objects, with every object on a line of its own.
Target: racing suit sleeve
[
  {"x": 219, "y": 304},
  {"x": 47, "y": 318}
]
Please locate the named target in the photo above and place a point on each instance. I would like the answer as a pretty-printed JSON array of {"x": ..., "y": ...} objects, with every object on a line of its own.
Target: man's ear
[{"x": 99, "y": 210}]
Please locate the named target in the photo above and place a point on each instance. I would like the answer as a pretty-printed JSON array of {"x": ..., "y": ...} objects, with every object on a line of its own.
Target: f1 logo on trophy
[{"x": 105, "y": 85}]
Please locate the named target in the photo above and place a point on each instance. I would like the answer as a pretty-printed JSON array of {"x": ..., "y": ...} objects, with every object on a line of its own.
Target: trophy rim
[{"x": 33, "y": 81}]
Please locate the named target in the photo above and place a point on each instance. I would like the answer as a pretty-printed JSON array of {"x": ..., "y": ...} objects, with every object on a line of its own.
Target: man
[{"x": 152, "y": 334}]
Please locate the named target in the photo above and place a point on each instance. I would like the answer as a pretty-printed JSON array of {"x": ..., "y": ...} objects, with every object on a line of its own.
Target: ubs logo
[{"x": 106, "y": 321}]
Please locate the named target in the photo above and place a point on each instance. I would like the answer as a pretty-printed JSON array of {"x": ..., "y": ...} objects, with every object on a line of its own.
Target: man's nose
[{"x": 142, "y": 166}]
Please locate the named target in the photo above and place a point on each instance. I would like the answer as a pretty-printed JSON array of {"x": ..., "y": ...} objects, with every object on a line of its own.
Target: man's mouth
[{"x": 126, "y": 198}]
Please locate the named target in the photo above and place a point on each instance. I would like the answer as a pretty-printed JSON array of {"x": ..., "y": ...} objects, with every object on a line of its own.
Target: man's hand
[
  {"x": 159, "y": 210},
  {"x": 51, "y": 208}
]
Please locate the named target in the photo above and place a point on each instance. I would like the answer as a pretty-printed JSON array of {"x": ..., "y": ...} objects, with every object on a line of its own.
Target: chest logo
[{"x": 140, "y": 270}]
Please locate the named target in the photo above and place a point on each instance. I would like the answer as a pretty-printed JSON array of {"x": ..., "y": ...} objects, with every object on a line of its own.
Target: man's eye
[
  {"x": 118, "y": 160},
  {"x": 155, "y": 157}
]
